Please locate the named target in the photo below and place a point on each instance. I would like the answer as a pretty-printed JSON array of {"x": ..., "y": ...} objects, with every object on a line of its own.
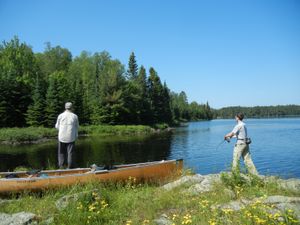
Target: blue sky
[{"x": 228, "y": 53}]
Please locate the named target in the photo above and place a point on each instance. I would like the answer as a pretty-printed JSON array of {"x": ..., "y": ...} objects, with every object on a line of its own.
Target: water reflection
[{"x": 89, "y": 150}]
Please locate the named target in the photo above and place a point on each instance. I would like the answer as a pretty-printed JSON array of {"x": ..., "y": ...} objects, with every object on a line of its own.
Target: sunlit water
[{"x": 275, "y": 148}]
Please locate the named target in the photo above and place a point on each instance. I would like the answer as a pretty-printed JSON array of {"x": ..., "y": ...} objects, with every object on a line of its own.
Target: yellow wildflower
[
  {"x": 212, "y": 222},
  {"x": 146, "y": 221},
  {"x": 174, "y": 216}
]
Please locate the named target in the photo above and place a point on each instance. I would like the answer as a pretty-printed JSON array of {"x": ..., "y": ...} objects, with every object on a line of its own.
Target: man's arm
[
  {"x": 232, "y": 133},
  {"x": 77, "y": 126},
  {"x": 57, "y": 123},
  {"x": 229, "y": 135}
]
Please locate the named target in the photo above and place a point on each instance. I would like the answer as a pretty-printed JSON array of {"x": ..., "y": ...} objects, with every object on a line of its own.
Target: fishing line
[{"x": 221, "y": 143}]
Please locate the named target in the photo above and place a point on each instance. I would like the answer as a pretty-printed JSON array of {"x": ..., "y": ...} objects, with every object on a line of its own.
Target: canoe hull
[{"x": 143, "y": 172}]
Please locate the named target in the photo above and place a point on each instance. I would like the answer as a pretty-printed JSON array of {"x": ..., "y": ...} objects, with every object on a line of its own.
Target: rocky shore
[
  {"x": 194, "y": 185},
  {"x": 199, "y": 184}
]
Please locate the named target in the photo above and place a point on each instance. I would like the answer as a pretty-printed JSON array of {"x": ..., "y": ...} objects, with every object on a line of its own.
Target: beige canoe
[{"x": 142, "y": 172}]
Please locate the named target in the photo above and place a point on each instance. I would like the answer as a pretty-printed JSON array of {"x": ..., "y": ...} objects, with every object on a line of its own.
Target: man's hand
[{"x": 226, "y": 138}]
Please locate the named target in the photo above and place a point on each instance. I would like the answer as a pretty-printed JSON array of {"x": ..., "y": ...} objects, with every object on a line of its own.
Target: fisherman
[
  {"x": 67, "y": 125},
  {"x": 241, "y": 148}
]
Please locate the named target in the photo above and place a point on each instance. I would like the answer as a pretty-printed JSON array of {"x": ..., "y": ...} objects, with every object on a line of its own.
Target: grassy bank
[
  {"x": 133, "y": 203},
  {"x": 38, "y": 134}
]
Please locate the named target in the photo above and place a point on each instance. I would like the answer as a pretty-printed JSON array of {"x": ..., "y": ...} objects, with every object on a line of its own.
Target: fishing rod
[{"x": 226, "y": 139}]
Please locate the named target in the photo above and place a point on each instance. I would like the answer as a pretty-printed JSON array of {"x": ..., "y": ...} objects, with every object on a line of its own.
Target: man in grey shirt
[
  {"x": 241, "y": 148},
  {"x": 67, "y": 125}
]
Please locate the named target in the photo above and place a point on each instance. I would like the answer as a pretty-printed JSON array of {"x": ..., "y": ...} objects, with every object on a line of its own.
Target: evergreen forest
[
  {"x": 259, "y": 111},
  {"x": 35, "y": 86}
]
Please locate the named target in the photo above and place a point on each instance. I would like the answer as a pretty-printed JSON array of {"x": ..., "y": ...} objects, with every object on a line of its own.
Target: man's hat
[{"x": 68, "y": 105}]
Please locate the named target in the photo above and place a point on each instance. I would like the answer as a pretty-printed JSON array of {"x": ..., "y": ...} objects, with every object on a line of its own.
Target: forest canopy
[{"x": 35, "y": 86}]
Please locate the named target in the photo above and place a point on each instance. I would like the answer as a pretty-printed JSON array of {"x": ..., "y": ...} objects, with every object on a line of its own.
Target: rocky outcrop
[
  {"x": 66, "y": 200},
  {"x": 291, "y": 184},
  {"x": 278, "y": 203},
  {"x": 163, "y": 220},
  {"x": 187, "y": 180},
  {"x": 205, "y": 185},
  {"x": 196, "y": 183},
  {"x": 21, "y": 218}
]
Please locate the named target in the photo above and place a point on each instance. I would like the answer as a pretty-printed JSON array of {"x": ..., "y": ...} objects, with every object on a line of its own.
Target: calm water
[{"x": 275, "y": 148}]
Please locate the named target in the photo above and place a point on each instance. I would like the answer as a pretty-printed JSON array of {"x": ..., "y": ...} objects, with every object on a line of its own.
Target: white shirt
[
  {"x": 67, "y": 125},
  {"x": 240, "y": 131}
]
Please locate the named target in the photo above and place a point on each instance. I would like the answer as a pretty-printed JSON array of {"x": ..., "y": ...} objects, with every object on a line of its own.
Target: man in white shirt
[
  {"x": 67, "y": 125},
  {"x": 241, "y": 148}
]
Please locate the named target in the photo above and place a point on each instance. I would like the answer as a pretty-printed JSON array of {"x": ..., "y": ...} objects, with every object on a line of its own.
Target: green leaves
[{"x": 34, "y": 88}]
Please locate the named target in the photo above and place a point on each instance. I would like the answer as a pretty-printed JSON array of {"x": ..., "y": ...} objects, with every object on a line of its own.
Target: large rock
[
  {"x": 276, "y": 199},
  {"x": 21, "y": 218},
  {"x": 234, "y": 205},
  {"x": 291, "y": 184},
  {"x": 188, "y": 180},
  {"x": 205, "y": 185},
  {"x": 163, "y": 220},
  {"x": 66, "y": 200},
  {"x": 284, "y": 203},
  {"x": 281, "y": 203}
]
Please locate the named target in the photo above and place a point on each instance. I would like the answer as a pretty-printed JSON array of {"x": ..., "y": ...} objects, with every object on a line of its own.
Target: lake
[{"x": 275, "y": 148}]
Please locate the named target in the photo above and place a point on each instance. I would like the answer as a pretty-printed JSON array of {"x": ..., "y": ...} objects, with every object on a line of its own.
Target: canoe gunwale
[
  {"x": 129, "y": 167},
  {"x": 151, "y": 171}
]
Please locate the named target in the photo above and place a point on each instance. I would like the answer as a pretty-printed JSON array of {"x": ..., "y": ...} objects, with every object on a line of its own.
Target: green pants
[{"x": 242, "y": 150}]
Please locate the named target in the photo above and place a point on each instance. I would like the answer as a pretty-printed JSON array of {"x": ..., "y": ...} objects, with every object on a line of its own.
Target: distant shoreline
[
  {"x": 262, "y": 117},
  {"x": 36, "y": 135}
]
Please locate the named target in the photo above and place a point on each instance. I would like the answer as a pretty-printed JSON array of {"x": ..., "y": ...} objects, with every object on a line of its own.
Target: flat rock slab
[
  {"x": 66, "y": 200},
  {"x": 189, "y": 180},
  {"x": 21, "y": 218},
  {"x": 291, "y": 184},
  {"x": 163, "y": 220},
  {"x": 279, "y": 202},
  {"x": 198, "y": 183}
]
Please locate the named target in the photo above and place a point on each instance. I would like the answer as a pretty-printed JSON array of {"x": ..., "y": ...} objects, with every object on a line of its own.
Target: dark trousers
[{"x": 66, "y": 150}]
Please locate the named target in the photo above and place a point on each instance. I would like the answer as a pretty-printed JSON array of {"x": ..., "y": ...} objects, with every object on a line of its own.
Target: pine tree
[
  {"x": 132, "y": 67},
  {"x": 167, "y": 116},
  {"x": 111, "y": 107},
  {"x": 144, "y": 104},
  {"x": 132, "y": 93},
  {"x": 57, "y": 94},
  {"x": 156, "y": 94},
  {"x": 35, "y": 114},
  {"x": 77, "y": 99}
]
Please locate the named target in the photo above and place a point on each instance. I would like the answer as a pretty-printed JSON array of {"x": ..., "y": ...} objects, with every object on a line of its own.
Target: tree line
[
  {"x": 259, "y": 111},
  {"x": 35, "y": 86}
]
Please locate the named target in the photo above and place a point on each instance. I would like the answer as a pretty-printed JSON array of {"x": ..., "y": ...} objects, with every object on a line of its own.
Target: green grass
[
  {"x": 115, "y": 130},
  {"x": 36, "y": 134},
  {"x": 134, "y": 203},
  {"x": 28, "y": 134}
]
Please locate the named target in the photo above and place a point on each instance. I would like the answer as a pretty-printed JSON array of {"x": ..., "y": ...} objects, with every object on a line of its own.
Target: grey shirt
[{"x": 240, "y": 131}]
